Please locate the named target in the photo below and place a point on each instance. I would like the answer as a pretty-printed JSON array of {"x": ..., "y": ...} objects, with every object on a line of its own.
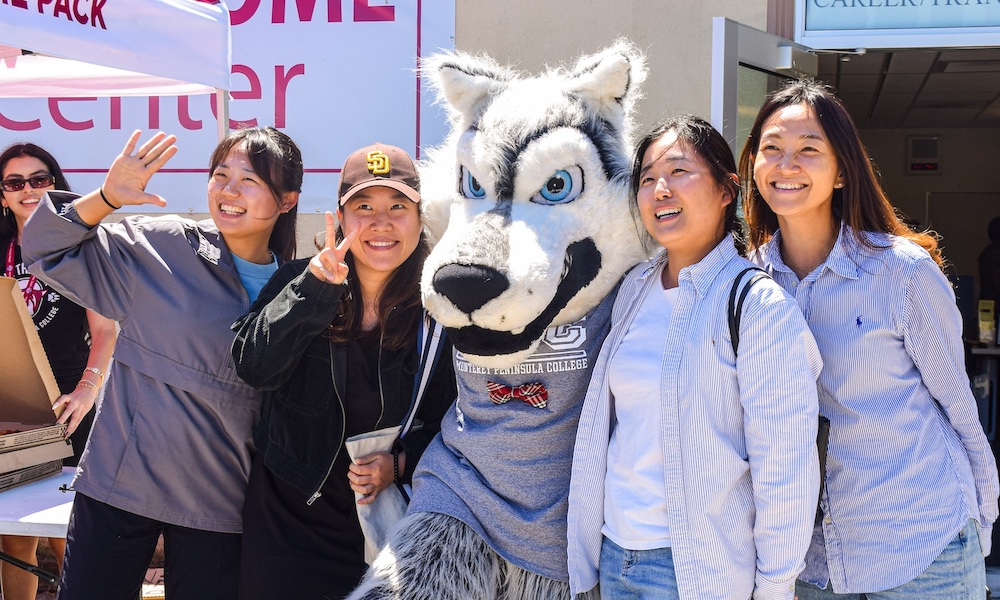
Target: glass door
[{"x": 747, "y": 64}]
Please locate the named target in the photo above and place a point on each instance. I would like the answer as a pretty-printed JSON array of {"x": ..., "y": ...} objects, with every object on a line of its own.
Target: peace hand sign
[
  {"x": 126, "y": 181},
  {"x": 329, "y": 265}
]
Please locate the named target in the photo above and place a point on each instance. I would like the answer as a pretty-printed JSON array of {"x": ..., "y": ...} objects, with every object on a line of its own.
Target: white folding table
[{"x": 38, "y": 508}]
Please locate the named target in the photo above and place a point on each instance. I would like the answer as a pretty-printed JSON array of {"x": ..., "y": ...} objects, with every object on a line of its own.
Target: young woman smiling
[
  {"x": 695, "y": 468},
  {"x": 170, "y": 449},
  {"x": 911, "y": 482},
  {"x": 78, "y": 342},
  {"x": 334, "y": 342}
]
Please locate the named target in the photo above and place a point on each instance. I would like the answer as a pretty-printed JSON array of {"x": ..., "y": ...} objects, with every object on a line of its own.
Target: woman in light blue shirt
[
  {"x": 911, "y": 483},
  {"x": 695, "y": 472}
]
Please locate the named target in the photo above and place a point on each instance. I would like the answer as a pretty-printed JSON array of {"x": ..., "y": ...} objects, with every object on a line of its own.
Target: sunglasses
[{"x": 38, "y": 181}]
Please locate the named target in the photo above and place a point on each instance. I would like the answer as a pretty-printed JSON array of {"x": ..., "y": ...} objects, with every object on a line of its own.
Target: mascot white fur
[{"x": 528, "y": 199}]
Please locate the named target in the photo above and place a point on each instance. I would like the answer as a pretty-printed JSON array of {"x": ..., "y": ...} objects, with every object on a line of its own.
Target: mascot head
[{"x": 528, "y": 198}]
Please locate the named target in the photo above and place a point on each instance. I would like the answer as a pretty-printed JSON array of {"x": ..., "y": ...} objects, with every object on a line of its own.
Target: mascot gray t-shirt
[{"x": 525, "y": 518}]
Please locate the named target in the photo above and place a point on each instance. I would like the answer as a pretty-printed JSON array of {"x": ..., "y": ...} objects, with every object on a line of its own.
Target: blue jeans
[
  {"x": 637, "y": 574},
  {"x": 958, "y": 573}
]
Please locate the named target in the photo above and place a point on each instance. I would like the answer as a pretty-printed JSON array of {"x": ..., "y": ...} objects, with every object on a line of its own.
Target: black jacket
[{"x": 281, "y": 347}]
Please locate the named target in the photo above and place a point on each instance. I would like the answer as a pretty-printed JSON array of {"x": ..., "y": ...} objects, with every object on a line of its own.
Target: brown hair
[
  {"x": 278, "y": 162},
  {"x": 860, "y": 203}
]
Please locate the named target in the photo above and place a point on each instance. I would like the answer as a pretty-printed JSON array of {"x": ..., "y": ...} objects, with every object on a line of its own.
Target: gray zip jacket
[{"x": 172, "y": 438}]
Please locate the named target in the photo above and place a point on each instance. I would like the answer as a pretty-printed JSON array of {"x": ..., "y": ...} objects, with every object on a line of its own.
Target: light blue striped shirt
[
  {"x": 908, "y": 463},
  {"x": 739, "y": 436}
]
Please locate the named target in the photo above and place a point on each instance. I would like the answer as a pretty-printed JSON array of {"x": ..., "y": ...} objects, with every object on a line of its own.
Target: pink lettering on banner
[
  {"x": 65, "y": 123},
  {"x": 73, "y": 10},
  {"x": 13, "y": 125},
  {"x": 115, "y": 120},
  {"x": 254, "y": 93},
  {"x": 80, "y": 17},
  {"x": 239, "y": 16},
  {"x": 184, "y": 114},
  {"x": 281, "y": 80},
  {"x": 62, "y": 8},
  {"x": 154, "y": 112},
  {"x": 96, "y": 14},
  {"x": 306, "y": 9},
  {"x": 366, "y": 14}
]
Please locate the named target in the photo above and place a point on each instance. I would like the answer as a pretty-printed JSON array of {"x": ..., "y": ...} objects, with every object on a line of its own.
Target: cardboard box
[
  {"x": 29, "y": 435},
  {"x": 29, "y": 474},
  {"x": 27, "y": 388},
  {"x": 25, "y": 458}
]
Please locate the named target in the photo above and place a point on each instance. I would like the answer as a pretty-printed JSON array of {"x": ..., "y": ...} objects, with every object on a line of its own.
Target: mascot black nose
[{"x": 469, "y": 287}]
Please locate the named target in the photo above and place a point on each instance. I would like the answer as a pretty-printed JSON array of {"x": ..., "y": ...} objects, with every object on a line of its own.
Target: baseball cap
[{"x": 379, "y": 164}]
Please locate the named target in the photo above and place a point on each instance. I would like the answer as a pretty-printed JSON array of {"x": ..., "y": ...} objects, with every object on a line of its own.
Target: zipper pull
[{"x": 313, "y": 498}]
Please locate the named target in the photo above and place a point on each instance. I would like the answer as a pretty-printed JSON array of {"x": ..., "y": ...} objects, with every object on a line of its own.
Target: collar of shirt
[
  {"x": 842, "y": 260},
  {"x": 702, "y": 273}
]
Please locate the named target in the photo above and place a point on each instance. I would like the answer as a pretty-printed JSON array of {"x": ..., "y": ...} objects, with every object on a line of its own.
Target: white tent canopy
[{"x": 115, "y": 48}]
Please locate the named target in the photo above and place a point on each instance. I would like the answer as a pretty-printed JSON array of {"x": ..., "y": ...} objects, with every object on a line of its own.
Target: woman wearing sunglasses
[{"x": 77, "y": 342}]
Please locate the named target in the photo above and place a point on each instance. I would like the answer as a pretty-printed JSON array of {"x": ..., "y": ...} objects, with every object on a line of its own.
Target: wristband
[
  {"x": 395, "y": 465},
  {"x": 105, "y": 198},
  {"x": 85, "y": 383}
]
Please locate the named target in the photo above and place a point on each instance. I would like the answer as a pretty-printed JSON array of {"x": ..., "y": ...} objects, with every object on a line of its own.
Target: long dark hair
[
  {"x": 8, "y": 225},
  {"x": 861, "y": 203},
  {"x": 712, "y": 148},
  {"x": 278, "y": 162},
  {"x": 399, "y": 296}
]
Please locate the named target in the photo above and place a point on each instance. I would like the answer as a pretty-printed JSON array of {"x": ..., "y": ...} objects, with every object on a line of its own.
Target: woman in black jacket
[{"x": 333, "y": 340}]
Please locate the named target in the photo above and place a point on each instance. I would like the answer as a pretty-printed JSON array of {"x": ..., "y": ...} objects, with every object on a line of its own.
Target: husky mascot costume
[{"x": 528, "y": 199}]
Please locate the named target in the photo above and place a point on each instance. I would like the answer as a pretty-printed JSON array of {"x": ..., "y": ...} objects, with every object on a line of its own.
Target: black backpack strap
[{"x": 736, "y": 304}]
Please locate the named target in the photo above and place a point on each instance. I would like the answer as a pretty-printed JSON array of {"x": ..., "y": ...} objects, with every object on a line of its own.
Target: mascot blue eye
[
  {"x": 563, "y": 186},
  {"x": 471, "y": 188}
]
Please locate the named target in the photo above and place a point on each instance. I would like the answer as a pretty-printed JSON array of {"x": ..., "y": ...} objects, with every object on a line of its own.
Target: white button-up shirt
[{"x": 739, "y": 436}]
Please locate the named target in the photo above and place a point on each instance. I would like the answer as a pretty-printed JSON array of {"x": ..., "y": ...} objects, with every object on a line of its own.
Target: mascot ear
[
  {"x": 610, "y": 79},
  {"x": 465, "y": 81}
]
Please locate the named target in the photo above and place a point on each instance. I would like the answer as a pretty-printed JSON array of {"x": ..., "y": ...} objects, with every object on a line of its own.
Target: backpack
[{"x": 736, "y": 299}]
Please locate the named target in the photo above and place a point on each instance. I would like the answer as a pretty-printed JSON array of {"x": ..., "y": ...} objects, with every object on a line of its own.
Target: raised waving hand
[{"x": 126, "y": 181}]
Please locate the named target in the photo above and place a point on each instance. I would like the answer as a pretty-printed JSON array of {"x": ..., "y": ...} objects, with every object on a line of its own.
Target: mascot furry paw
[{"x": 528, "y": 199}]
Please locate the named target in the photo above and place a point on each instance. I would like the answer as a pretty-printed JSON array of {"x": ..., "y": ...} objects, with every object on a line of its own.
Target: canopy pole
[{"x": 222, "y": 110}]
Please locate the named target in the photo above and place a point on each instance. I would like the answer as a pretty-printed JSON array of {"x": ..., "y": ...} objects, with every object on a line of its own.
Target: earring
[{"x": 6, "y": 211}]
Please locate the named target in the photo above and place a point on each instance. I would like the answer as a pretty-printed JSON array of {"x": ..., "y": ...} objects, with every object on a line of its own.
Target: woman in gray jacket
[{"x": 170, "y": 447}]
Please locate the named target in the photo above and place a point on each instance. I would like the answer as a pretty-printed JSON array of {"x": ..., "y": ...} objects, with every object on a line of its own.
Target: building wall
[
  {"x": 676, "y": 37},
  {"x": 964, "y": 197}
]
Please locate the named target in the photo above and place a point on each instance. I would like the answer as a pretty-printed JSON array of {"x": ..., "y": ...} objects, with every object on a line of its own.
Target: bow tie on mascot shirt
[{"x": 528, "y": 199}]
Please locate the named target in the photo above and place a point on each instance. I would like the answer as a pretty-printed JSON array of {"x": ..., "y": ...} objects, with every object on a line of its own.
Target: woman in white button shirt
[
  {"x": 911, "y": 482},
  {"x": 695, "y": 472}
]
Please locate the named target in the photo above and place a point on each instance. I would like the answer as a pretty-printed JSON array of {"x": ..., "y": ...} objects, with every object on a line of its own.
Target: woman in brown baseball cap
[{"x": 340, "y": 342}]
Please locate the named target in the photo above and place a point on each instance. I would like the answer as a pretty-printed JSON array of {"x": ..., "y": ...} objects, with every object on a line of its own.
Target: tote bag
[{"x": 379, "y": 519}]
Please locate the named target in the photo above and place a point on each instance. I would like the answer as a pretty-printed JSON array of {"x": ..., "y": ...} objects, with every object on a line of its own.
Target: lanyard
[{"x": 9, "y": 272}]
